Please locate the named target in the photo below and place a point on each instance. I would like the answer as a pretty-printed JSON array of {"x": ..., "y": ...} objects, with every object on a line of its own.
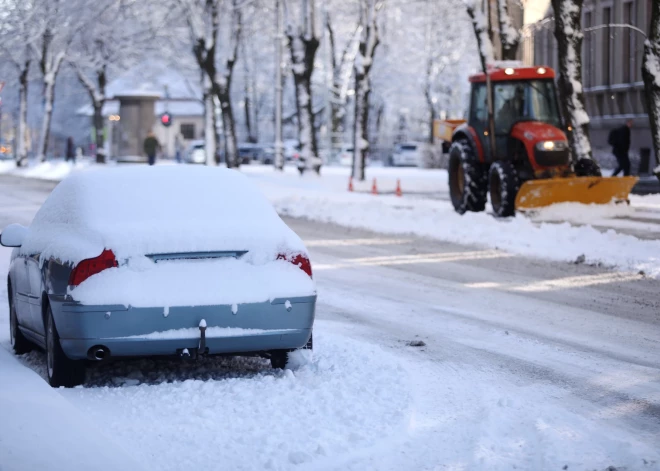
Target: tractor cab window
[
  {"x": 525, "y": 100},
  {"x": 479, "y": 106},
  {"x": 509, "y": 105}
]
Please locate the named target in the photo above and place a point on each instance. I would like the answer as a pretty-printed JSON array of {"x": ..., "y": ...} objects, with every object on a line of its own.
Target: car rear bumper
[{"x": 132, "y": 331}]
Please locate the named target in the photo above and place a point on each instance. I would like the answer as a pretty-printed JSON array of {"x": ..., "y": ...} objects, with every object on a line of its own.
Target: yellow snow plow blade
[{"x": 535, "y": 194}]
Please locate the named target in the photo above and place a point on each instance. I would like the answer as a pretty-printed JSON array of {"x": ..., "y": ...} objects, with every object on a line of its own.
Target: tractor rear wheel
[
  {"x": 587, "y": 168},
  {"x": 467, "y": 178},
  {"x": 503, "y": 187}
]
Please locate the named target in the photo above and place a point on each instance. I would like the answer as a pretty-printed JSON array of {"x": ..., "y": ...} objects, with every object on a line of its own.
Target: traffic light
[{"x": 166, "y": 119}]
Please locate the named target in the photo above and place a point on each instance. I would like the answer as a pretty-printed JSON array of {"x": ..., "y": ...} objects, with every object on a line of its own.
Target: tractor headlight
[{"x": 549, "y": 146}]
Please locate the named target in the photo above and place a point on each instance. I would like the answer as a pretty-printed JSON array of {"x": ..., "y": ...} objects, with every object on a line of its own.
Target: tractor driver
[{"x": 512, "y": 110}]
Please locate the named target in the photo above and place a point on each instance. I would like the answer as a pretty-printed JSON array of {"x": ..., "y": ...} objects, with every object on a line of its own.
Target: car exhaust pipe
[{"x": 98, "y": 353}]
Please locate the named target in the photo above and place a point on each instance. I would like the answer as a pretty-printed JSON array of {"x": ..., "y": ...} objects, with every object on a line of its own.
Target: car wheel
[
  {"x": 503, "y": 187},
  {"x": 18, "y": 342},
  {"x": 468, "y": 179},
  {"x": 279, "y": 359},
  {"x": 587, "y": 168},
  {"x": 60, "y": 369}
]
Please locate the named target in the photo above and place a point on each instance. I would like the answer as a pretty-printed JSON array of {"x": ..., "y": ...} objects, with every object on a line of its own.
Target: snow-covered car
[
  {"x": 167, "y": 260},
  {"x": 407, "y": 154},
  {"x": 195, "y": 154}
]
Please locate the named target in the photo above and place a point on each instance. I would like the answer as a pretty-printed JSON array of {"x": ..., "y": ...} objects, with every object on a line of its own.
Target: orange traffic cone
[
  {"x": 398, "y": 191},
  {"x": 374, "y": 188},
  {"x": 350, "y": 183}
]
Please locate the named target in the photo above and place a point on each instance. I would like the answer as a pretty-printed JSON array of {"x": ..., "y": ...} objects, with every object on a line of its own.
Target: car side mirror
[{"x": 13, "y": 236}]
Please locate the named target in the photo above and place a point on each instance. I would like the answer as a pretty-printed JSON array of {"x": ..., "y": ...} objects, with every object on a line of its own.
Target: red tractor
[{"x": 514, "y": 147}]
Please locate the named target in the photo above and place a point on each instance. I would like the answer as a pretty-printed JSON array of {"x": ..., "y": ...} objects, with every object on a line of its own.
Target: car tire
[
  {"x": 61, "y": 370},
  {"x": 18, "y": 342},
  {"x": 279, "y": 359},
  {"x": 503, "y": 188},
  {"x": 467, "y": 179},
  {"x": 587, "y": 168}
]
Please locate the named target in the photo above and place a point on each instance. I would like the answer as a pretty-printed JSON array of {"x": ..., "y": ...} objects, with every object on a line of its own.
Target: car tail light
[
  {"x": 92, "y": 266},
  {"x": 296, "y": 156},
  {"x": 299, "y": 260}
]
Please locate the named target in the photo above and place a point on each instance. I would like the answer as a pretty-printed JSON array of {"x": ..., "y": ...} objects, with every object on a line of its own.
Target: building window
[
  {"x": 188, "y": 131},
  {"x": 607, "y": 45}
]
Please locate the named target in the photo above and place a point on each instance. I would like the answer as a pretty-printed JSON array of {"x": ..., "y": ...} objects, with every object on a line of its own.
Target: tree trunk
[
  {"x": 209, "y": 124},
  {"x": 303, "y": 51},
  {"x": 99, "y": 122},
  {"x": 651, "y": 75},
  {"x": 509, "y": 36},
  {"x": 481, "y": 31},
  {"x": 363, "y": 62},
  {"x": 229, "y": 127},
  {"x": 21, "y": 149},
  {"x": 98, "y": 132},
  {"x": 49, "y": 98},
  {"x": 247, "y": 109},
  {"x": 568, "y": 32}
]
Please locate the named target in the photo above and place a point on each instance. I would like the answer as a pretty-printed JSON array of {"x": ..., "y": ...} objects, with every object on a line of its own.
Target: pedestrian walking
[
  {"x": 619, "y": 139},
  {"x": 70, "y": 150},
  {"x": 151, "y": 146}
]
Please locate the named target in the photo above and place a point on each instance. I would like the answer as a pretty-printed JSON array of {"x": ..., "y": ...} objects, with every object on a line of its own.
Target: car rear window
[{"x": 408, "y": 147}]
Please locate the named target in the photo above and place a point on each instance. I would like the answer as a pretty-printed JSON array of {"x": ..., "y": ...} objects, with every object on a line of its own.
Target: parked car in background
[
  {"x": 268, "y": 155},
  {"x": 345, "y": 155},
  {"x": 249, "y": 153},
  {"x": 159, "y": 268},
  {"x": 195, "y": 154},
  {"x": 406, "y": 154},
  {"x": 291, "y": 150}
]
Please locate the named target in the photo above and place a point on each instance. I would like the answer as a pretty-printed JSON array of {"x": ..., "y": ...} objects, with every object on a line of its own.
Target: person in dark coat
[
  {"x": 70, "y": 150},
  {"x": 151, "y": 146},
  {"x": 620, "y": 141}
]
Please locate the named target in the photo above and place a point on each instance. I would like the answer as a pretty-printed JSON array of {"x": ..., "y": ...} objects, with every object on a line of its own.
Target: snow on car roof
[{"x": 161, "y": 209}]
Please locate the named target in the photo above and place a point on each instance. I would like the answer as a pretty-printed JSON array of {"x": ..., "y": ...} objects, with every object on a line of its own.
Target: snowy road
[{"x": 528, "y": 364}]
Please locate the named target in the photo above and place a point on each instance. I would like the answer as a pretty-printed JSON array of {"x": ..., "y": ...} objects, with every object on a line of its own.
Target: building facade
[{"x": 612, "y": 49}]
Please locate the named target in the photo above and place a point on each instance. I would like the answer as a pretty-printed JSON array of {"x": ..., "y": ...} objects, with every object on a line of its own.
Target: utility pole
[{"x": 279, "y": 145}]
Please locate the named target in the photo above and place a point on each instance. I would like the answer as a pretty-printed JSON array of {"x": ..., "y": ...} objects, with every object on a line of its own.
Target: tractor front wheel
[
  {"x": 467, "y": 179},
  {"x": 503, "y": 188}
]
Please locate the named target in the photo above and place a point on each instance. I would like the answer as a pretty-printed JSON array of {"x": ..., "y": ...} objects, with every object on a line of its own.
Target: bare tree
[
  {"x": 17, "y": 32},
  {"x": 203, "y": 18},
  {"x": 303, "y": 44},
  {"x": 481, "y": 27},
  {"x": 568, "y": 32},
  {"x": 509, "y": 36},
  {"x": 59, "y": 27},
  {"x": 113, "y": 39},
  {"x": 651, "y": 75},
  {"x": 369, "y": 40},
  {"x": 342, "y": 71}
]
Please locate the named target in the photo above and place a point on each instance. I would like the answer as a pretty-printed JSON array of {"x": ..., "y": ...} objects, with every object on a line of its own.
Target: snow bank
[
  {"x": 143, "y": 210},
  {"x": 240, "y": 414},
  {"x": 437, "y": 219},
  {"x": 34, "y": 417},
  {"x": 198, "y": 283}
]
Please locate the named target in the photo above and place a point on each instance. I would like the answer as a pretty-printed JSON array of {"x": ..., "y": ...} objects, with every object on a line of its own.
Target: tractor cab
[
  {"x": 514, "y": 147},
  {"x": 525, "y": 118}
]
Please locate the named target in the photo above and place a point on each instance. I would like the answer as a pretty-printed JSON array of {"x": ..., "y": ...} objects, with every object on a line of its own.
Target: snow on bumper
[{"x": 283, "y": 323}]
